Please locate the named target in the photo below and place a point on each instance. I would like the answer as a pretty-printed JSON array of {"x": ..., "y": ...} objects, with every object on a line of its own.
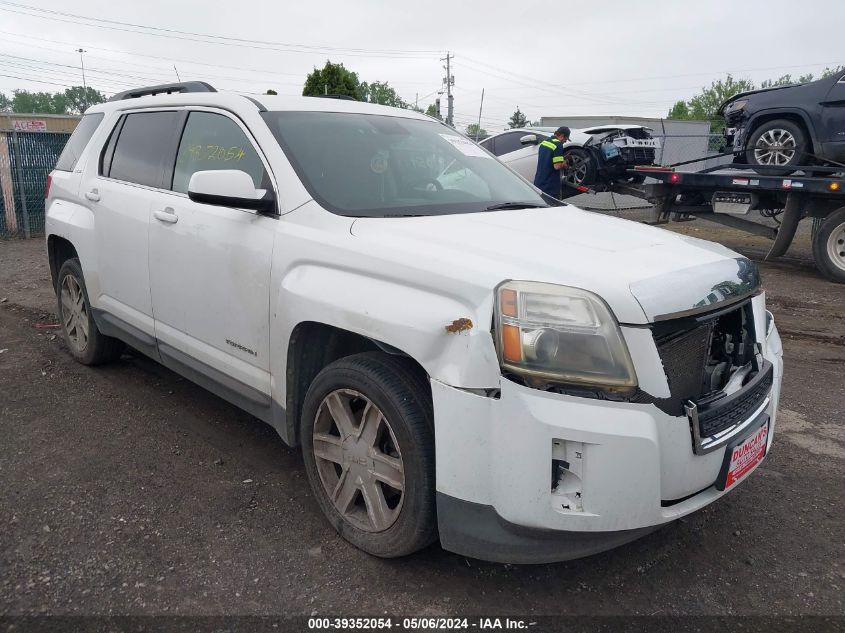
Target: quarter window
[
  {"x": 144, "y": 147},
  {"x": 212, "y": 142},
  {"x": 78, "y": 140}
]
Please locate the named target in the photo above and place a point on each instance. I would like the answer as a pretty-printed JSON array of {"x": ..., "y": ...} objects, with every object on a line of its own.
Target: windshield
[{"x": 367, "y": 165}]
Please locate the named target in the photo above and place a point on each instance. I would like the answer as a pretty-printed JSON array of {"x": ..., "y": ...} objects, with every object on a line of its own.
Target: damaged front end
[{"x": 716, "y": 372}]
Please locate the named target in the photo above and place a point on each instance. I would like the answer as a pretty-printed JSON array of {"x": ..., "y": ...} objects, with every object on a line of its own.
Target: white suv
[{"x": 457, "y": 355}]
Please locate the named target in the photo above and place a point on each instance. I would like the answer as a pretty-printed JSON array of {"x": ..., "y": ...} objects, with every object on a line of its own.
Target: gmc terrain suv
[
  {"x": 457, "y": 356},
  {"x": 787, "y": 126}
]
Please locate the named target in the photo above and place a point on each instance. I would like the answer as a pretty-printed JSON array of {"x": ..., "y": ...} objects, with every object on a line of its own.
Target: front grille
[
  {"x": 691, "y": 350},
  {"x": 730, "y": 411}
]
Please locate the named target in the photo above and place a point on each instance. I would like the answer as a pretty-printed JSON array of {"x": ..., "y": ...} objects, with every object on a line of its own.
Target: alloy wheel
[
  {"x": 576, "y": 170},
  {"x": 775, "y": 147},
  {"x": 74, "y": 313},
  {"x": 358, "y": 460},
  {"x": 836, "y": 246}
]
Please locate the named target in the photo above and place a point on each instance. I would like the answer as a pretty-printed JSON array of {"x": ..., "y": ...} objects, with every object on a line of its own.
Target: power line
[{"x": 72, "y": 18}]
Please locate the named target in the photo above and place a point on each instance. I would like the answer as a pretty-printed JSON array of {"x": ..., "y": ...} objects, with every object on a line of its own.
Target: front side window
[
  {"x": 143, "y": 148},
  {"x": 212, "y": 142},
  {"x": 366, "y": 165}
]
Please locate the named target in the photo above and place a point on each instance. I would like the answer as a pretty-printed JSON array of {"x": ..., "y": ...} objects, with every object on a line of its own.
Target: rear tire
[
  {"x": 85, "y": 342},
  {"x": 829, "y": 247},
  {"x": 368, "y": 446},
  {"x": 776, "y": 147}
]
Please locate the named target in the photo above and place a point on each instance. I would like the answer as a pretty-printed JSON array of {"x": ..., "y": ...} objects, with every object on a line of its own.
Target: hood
[
  {"x": 600, "y": 129},
  {"x": 742, "y": 95},
  {"x": 642, "y": 272}
]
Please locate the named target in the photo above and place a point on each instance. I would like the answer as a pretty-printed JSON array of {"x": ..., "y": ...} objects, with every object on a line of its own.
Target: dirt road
[{"x": 127, "y": 490}]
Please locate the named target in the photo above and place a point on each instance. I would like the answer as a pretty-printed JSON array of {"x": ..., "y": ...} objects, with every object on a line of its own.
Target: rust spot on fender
[{"x": 459, "y": 325}]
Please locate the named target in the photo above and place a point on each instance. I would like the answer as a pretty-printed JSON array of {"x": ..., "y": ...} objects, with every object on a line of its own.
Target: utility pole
[
  {"x": 481, "y": 105},
  {"x": 84, "y": 85},
  {"x": 449, "y": 80}
]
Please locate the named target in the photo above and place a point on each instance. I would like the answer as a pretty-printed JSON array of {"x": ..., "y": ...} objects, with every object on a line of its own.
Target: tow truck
[{"x": 726, "y": 194}]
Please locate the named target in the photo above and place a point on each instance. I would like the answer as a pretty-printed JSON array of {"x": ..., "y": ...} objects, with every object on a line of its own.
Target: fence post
[{"x": 21, "y": 185}]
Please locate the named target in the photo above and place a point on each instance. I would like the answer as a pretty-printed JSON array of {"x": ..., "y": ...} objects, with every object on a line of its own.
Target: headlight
[
  {"x": 550, "y": 333},
  {"x": 737, "y": 105}
]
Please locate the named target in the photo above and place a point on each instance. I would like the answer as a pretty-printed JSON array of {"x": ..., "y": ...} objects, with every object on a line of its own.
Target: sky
[{"x": 564, "y": 58}]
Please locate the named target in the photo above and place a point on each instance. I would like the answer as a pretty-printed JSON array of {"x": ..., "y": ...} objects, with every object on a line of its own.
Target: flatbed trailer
[{"x": 725, "y": 194}]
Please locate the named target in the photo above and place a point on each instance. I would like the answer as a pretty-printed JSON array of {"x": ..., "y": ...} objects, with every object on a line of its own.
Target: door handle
[
  {"x": 167, "y": 215},
  {"x": 93, "y": 195}
]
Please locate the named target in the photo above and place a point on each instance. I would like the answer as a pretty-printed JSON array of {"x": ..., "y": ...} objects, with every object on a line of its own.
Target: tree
[
  {"x": 74, "y": 100},
  {"x": 518, "y": 119},
  {"x": 270, "y": 91},
  {"x": 679, "y": 111},
  {"x": 380, "y": 92},
  {"x": 41, "y": 102},
  {"x": 475, "y": 131},
  {"x": 332, "y": 79},
  {"x": 431, "y": 111},
  {"x": 704, "y": 106},
  {"x": 78, "y": 99}
]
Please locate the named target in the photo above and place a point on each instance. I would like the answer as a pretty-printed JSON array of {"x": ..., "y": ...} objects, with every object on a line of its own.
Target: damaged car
[
  {"x": 595, "y": 154},
  {"x": 457, "y": 357},
  {"x": 787, "y": 126}
]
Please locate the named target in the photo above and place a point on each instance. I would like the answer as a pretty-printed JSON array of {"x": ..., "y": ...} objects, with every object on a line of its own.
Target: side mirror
[
  {"x": 529, "y": 139},
  {"x": 229, "y": 188}
]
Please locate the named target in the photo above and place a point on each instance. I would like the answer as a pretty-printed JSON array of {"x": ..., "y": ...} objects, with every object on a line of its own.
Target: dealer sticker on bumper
[{"x": 745, "y": 456}]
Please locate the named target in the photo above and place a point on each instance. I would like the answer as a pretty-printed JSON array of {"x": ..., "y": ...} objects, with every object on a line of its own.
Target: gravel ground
[{"x": 128, "y": 490}]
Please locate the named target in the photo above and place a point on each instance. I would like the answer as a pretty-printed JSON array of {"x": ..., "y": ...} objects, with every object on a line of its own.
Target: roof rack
[
  {"x": 185, "y": 86},
  {"x": 334, "y": 96}
]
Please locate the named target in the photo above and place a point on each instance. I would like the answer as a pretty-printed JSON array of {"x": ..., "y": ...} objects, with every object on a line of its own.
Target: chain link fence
[{"x": 26, "y": 158}]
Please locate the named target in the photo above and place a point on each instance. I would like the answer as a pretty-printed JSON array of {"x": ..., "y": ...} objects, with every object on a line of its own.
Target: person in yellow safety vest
[{"x": 550, "y": 161}]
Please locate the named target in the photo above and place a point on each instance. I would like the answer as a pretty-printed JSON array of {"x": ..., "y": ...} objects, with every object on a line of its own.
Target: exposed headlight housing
[
  {"x": 547, "y": 333},
  {"x": 737, "y": 105}
]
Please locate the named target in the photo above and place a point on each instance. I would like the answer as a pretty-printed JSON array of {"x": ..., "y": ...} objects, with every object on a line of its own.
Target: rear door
[
  {"x": 521, "y": 158},
  {"x": 118, "y": 186},
  {"x": 210, "y": 267}
]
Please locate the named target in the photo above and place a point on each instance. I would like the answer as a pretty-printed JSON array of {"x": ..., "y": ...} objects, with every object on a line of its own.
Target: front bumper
[{"x": 630, "y": 468}]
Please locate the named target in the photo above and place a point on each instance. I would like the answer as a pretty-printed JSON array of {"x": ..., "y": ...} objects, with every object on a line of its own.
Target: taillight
[
  {"x": 47, "y": 185},
  {"x": 675, "y": 178}
]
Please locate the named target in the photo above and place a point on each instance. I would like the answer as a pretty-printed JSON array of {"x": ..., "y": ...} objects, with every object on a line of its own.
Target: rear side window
[
  {"x": 78, "y": 140},
  {"x": 144, "y": 147},
  {"x": 507, "y": 143},
  {"x": 211, "y": 142}
]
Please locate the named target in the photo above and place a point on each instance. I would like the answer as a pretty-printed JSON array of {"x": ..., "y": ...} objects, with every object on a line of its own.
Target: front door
[
  {"x": 210, "y": 269},
  {"x": 833, "y": 121}
]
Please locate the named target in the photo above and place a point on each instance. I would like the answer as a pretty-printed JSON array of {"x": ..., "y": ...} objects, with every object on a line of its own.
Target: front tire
[
  {"x": 829, "y": 247},
  {"x": 368, "y": 446},
  {"x": 777, "y": 146},
  {"x": 580, "y": 169},
  {"x": 85, "y": 342}
]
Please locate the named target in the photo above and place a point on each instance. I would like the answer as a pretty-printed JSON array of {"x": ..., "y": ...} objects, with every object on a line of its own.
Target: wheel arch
[
  {"x": 59, "y": 250},
  {"x": 313, "y": 346},
  {"x": 795, "y": 115}
]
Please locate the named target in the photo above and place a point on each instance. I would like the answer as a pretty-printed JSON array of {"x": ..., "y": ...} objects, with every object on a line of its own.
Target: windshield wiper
[{"x": 515, "y": 205}]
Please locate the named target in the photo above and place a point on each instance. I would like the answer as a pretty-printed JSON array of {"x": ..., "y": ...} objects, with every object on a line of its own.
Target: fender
[
  {"x": 449, "y": 337},
  {"x": 75, "y": 223},
  {"x": 752, "y": 122}
]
